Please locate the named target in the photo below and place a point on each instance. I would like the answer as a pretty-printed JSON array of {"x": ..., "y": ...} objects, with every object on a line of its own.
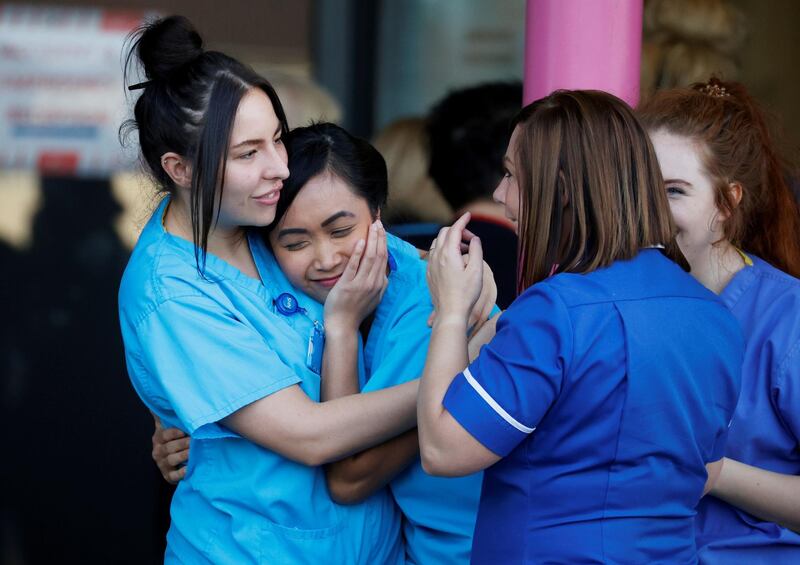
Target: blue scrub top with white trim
[
  {"x": 765, "y": 431},
  {"x": 439, "y": 513},
  {"x": 197, "y": 350},
  {"x": 606, "y": 394}
]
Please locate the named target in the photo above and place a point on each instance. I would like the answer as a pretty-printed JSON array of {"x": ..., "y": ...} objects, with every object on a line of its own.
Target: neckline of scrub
[
  {"x": 740, "y": 282},
  {"x": 215, "y": 267}
]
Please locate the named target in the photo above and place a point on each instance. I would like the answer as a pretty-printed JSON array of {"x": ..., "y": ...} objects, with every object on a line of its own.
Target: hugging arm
[
  {"x": 312, "y": 433},
  {"x": 770, "y": 496},
  {"x": 354, "y": 478}
]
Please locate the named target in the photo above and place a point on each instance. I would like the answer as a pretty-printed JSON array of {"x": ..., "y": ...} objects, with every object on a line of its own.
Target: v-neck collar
[
  {"x": 739, "y": 284},
  {"x": 216, "y": 266}
]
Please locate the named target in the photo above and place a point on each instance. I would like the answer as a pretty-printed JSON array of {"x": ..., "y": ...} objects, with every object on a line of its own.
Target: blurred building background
[{"x": 78, "y": 483}]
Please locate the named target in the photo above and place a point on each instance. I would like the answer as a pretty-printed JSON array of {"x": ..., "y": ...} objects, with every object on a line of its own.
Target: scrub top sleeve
[
  {"x": 787, "y": 390},
  {"x": 404, "y": 357},
  {"x": 205, "y": 362},
  {"x": 501, "y": 397}
]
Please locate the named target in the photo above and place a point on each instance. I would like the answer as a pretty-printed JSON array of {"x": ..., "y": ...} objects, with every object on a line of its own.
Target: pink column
[{"x": 583, "y": 44}]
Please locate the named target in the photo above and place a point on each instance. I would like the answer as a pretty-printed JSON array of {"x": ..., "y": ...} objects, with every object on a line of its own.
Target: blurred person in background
[
  {"x": 304, "y": 100},
  {"x": 468, "y": 132},
  {"x": 413, "y": 196},
  {"x": 739, "y": 227},
  {"x": 686, "y": 41}
]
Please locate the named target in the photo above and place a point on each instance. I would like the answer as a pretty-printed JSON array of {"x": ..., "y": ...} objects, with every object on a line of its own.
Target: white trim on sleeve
[{"x": 495, "y": 406}]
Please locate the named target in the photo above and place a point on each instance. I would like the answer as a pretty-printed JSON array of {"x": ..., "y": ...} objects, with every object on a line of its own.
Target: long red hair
[{"x": 738, "y": 147}]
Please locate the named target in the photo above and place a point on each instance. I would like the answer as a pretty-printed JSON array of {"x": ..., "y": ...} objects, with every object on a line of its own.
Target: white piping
[{"x": 495, "y": 406}]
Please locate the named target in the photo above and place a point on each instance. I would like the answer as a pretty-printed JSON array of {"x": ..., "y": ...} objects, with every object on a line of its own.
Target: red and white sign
[{"x": 62, "y": 97}]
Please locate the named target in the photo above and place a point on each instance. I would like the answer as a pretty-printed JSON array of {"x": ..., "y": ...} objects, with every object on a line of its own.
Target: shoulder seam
[
  {"x": 783, "y": 366},
  {"x": 560, "y": 299},
  {"x": 155, "y": 305},
  {"x": 617, "y": 300}
]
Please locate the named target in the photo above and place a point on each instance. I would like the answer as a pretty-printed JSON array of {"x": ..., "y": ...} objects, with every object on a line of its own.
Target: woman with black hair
[
  {"x": 207, "y": 347},
  {"x": 337, "y": 190}
]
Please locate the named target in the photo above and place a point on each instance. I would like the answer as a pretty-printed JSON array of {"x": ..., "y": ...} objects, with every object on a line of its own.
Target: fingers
[
  {"x": 372, "y": 270},
  {"x": 462, "y": 222},
  {"x": 378, "y": 271},
  {"x": 174, "y": 477},
  {"x": 178, "y": 458},
  {"x": 474, "y": 270},
  {"x": 475, "y": 263},
  {"x": 171, "y": 456},
  {"x": 178, "y": 445},
  {"x": 454, "y": 236},
  {"x": 169, "y": 434},
  {"x": 351, "y": 269},
  {"x": 163, "y": 449},
  {"x": 372, "y": 245},
  {"x": 365, "y": 266}
]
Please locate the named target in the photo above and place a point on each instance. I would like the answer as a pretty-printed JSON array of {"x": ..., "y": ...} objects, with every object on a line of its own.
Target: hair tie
[
  {"x": 715, "y": 90},
  {"x": 140, "y": 85}
]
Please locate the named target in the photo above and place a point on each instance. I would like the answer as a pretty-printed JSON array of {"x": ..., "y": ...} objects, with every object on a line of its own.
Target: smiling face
[
  {"x": 316, "y": 236},
  {"x": 507, "y": 192},
  {"x": 256, "y": 165},
  {"x": 691, "y": 194}
]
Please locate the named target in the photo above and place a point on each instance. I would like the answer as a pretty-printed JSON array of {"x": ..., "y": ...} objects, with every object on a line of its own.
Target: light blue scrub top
[
  {"x": 198, "y": 350},
  {"x": 766, "y": 426},
  {"x": 439, "y": 513},
  {"x": 606, "y": 394}
]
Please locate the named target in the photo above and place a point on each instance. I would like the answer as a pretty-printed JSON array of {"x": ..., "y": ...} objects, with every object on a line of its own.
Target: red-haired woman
[{"x": 739, "y": 227}]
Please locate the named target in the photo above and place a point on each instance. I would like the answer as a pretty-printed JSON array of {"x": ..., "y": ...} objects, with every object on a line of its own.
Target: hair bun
[{"x": 167, "y": 44}]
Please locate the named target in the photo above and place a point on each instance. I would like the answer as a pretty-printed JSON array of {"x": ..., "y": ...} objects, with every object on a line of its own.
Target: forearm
[
  {"x": 339, "y": 363},
  {"x": 343, "y": 426},
  {"x": 354, "y": 478},
  {"x": 313, "y": 433},
  {"x": 447, "y": 356},
  {"x": 770, "y": 496},
  {"x": 481, "y": 337}
]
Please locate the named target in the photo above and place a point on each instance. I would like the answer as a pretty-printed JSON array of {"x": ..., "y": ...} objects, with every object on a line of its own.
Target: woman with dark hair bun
[
  {"x": 739, "y": 227},
  {"x": 210, "y": 340},
  {"x": 337, "y": 190},
  {"x": 600, "y": 408}
]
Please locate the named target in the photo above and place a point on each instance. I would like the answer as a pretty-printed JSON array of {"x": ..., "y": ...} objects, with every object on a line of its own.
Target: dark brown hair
[
  {"x": 590, "y": 186},
  {"x": 188, "y": 105},
  {"x": 737, "y": 146}
]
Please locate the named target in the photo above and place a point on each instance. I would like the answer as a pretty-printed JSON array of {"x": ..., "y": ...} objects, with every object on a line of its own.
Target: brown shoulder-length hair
[
  {"x": 737, "y": 146},
  {"x": 591, "y": 191}
]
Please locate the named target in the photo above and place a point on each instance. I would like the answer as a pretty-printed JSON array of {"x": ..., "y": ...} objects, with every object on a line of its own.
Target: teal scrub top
[
  {"x": 200, "y": 348},
  {"x": 439, "y": 512}
]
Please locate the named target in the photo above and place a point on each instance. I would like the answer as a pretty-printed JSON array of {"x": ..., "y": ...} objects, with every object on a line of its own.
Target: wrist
[
  {"x": 723, "y": 485},
  {"x": 451, "y": 319},
  {"x": 340, "y": 328}
]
